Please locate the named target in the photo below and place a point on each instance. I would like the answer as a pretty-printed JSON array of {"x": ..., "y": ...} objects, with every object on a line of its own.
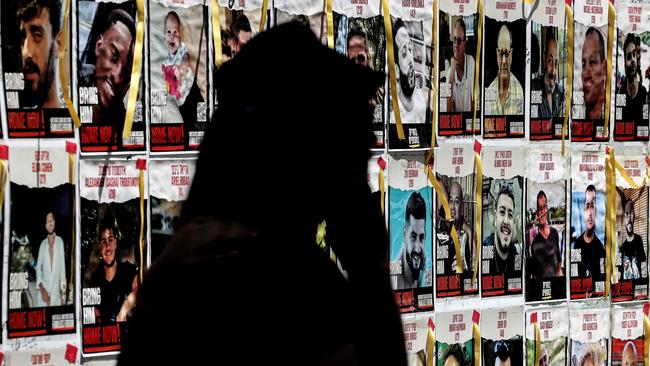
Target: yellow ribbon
[
  {"x": 442, "y": 197},
  {"x": 216, "y": 34},
  {"x": 3, "y": 180},
  {"x": 477, "y": 70},
  {"x": 330, "y": 25},
  {"x": 265, "y": 9},
  {"x": 63, "y": 76},
  {"x": 71, "y": 179},
  {"x": 135, "y": 70},
  {"x": 142, "y": 218},
  {"x": 608, "y": 83},
  {"x": 434, "y": 86},
  {"x": 538, "y": 343},
  {"x": 477, "y": 343},
  {"x": 391, "y": 69},
  {"x": 431, "y": 341},
  {"x": 382, "y": 191},
  {"x": 479, "y": 210},
  {"x": 646, "y": 337},
  {"x": 569, "y": 78},
  {"x": 610, "y": 220}
]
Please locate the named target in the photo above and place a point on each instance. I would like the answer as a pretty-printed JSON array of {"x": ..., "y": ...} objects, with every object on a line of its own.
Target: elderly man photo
[
  {"x": 509, "y": 98},
  {"x": 460, "y": 74},
  {"x": 594, "y": 73}
]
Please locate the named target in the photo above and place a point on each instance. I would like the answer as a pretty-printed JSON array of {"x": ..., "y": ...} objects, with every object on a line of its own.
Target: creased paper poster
[
  {"x": 106, "y": 42},
  {"x": 627, "y": 335},
  {"x": 458, "y": 40},
  {"x": 632, "y": 62},
  {"x": 32, "y": 37},
  {"x": 589, "y": 330},
  {"x": 410, "y": 232},
  {"x": 587, "y": 255},
  {"x": 416, "y": 330},
  {"x": 548, "y": 71},
  {"x": 359, "y": 34},
  {"x": 502, "y": 336},
  {"x": 110, "y": 250},
  {"x": 631, "y": 230},
  {"x": 589, "y": 70},
  {"x": 43, "y": 357},
  {"x": 178, "y": 73},
  {"x": 311, "y": 13},
  {"x": 454, "y": 340},
  {"x": 546, "y": 226},
  {"x": 553, "y": 324},
  {"x": 412, "y": 23},
  {"x": 169, "y": 185},
  {"x": 455, "y": 173},
  {"x": 504, "y": 67},
  {"x": 502, "y": 252},
  {"x": 41, "y": 290}
]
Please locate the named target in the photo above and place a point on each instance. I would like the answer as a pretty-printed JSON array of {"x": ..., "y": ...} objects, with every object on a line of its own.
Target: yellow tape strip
[
  {"x": 477, "y": 69},
  {"x": 434, "y": 98},
  {"x": 646, "y": 338},
  {"x": 608, "y": 83},
  {"x": 479, "y": 210},
  {"x": 71, "y": 180},
  {"x": 382, "y": 190},
  {"x": 216, "y": 34},
  {"x": 442, "y": 197},
  {"x": 3, "y": 181},
  {"x": 431, "y": 341},
  {"x": 569, "y": 80},
  {"x": 624, "y": 174},
  {"x": 477, "y": 344},
  {"x": 142, "y": 218},
  {"x": 538, "y": 343},
  {"x": 63, "y": 71},
  {"x": 391, "y": 69},
  {"x": 610, "y": 212},
  {"x": 135, "y": 70},
  {"x": 265, "y": 9},
  {"x": 330, "y": 25}
]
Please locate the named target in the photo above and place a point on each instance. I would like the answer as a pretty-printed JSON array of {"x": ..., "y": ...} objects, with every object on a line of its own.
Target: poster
[
  {"x": 410, "y": 232},
  {"x": 169, "y": 185},
  {"x": 455, "y": 173},
  {"x": 416, "y": 331},
  {"x": 553, "y": 326},
  {"x": 589, "y": 330},
  {"x": 548, "y": 71},
  {"x": 454, "y": 338},
  {"x": 178, "y": 73},
  {"x": 632, "y": 62},
  {"x": 32, "y": 37},
  {"x": 458, "y": 40},
  {"x": 589, "y": 71},
  {"x": 502, "y": 332},
  {"x": 587, "y": 257},
  {"x": 46, "y": 357},
  {"x": 110, "y": 245},
  {"x": 546, "y": 224},
  {"x": 412, "y": 22},
  {"x": 310, "y": 13},
  {"x": 631, "y": 230},
  {"x": 627, "y": 335},
  {"x": 106, "y": 42},
  {"x": 502, "y": 251},
  {"x": 239, "y": 21},
  {"x": 504, "y": 68},
  {"x": 359, "y": 34},
  {"x": 42, "y": 250}
]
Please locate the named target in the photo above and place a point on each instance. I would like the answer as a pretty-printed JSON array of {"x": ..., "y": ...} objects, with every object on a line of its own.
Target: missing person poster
[
  {"x": 310, "y": 13},
  {"x": 42, "y": 250},
  {"x": 239, "y": 21},
  {"x": 106, "y": 44},
  {"x": 632, "y": 71},
  {"x": 111, "y": 250},
  {"x": 416, "y": 331},
  {"x": 454, "y": 338},
  {"x": 504, "y": 68},
  {"x": 502, "y": 251},
  {"x": 587, "y": 255},
  {"x": 455, "y": 174},
  {"x": 502, "y": 333},
  {"x": 589, "y": 330},
  {"x": 178, "y": 74},
  {"x": 410, "y": 232},
  {"x": 412, "y": 23},
  {"x": 553, "y": 325},
  {"x": 359, "y": 34},
  {"x": 458, "y": 40},
  {"x": 627, "y": 335},
  {"x": 631, "y": 231},
  {"x": 546, "y": 226},
  {"x": 32, "y": 38},
  {"x": 169, "y": 185},
  {"x": 548, "y": 71},
  {"x": 589, "y": 71}
]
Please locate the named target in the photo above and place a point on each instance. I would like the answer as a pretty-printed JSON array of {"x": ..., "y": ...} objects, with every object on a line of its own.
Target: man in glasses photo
[
  {"x": 509, "y": 93},
  {"x": 460, "y": 74},
  {"x": 631, "y": 86}
]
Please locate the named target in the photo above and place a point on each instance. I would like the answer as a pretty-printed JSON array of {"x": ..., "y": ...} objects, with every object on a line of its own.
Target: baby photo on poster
[{"x": 33, "y": 35}]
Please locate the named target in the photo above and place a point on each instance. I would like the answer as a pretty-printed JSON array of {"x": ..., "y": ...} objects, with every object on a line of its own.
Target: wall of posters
[
  {"x": 589, "y": 330},
  {"x": 416, "y": 331},
  {"x": 553, "y": 324},
  {"x": 627, "y": 335},
  {"x": 502, "y": 332},
  {"x": 41, "y": 288},
  {"x": 178, "y": 74},
  {"x": 454, "y": 340}
]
